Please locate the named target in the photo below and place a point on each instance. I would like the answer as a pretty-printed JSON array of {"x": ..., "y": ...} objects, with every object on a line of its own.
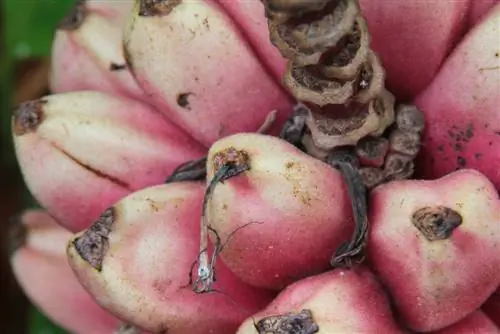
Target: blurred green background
[{"x": 27, "y": 30}]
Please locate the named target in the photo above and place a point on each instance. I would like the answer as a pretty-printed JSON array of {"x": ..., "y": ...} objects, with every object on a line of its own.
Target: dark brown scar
[
  {"x": 92, "y": 170},
  {"x": 436, "y": 222},
  {"x": 117, "y": 67},
  {"x": 183, "y": 100},
  {"x": 296, "y": 323}
]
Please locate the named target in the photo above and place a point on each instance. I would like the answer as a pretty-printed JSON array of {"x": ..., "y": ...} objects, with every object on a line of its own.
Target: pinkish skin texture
[
  {"x": 479, "y": 9},
  {"x": 117, "y": 10},
  {"x": 197, "y": 50},
  {"x": 81, "y": 58},
  {"x": 153, "y": 243},
  {"x": 413, "y": 38},
  {"x": 435, "y": 284},
  {"x": 492, "y": 307},
  {"x": 92, "y": 149},
  {"x": 249, "y": 17},
  {"x": 341, "y": 301},
  {"x": 462, "y": 104},
  {"x": 295, "y": 201},
  {"x": 42, "y": 270},
  {"x": 476, "y": 323}
]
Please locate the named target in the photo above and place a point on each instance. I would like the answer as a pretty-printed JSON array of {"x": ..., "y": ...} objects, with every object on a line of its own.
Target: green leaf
[
  {"x": 30, "y": 25},
  {"x": 39, "y": 324},
  {"x": 28, "y": 30},
  {"x": 6, "y": 147}
]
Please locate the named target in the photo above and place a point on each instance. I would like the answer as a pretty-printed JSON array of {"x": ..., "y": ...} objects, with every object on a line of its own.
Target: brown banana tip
[
  {"x": 17, "y": 234},
  {"x": 75, "y": 17},
  {"x": 157, "y": 7},
  {"x": 232, "y": 156},
  {"x": 27, "y": 116},
  {"x": 304, "y": 320},
  {"x": 93, "y": 244},
  {"x": 410, "y": 118}
]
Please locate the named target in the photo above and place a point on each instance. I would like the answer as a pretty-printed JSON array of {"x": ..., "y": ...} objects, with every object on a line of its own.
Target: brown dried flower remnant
[
  {"x": 398, "y": 167},
  {"x": 333, "y": 72},
  {"x": 157, "y": 7},
  {"x": 393, "y": 160},
  {"x": 436, "y": 223},
  {"x": 410, "y": 118},
  {"x": 296, "y": 323},
  {"x": 332, "y": 67},
  {"x": 232, "y": 156},
  {"x": 358, "y": 121},
  {"x": 371, "y": 151},
  {"x": 28, "y": 116},
  {"x": 371, "y": 176},
  {"x": 404, "y": 143},
  {"x": 93, "y": 244},
  {"x": 117, "y": 67}
]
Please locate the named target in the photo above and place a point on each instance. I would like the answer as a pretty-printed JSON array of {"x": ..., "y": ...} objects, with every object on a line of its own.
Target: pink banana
[
  {"x": 462, "y": 107},
  {"x": 42, "y": 270},
  {"x": 87, "y": 52},
  {"x": 136, "y": 258},
  {"x": 286, "y": 202},
  {"x": 80, "y": 152},
  {"x": 195, "y": 65},
  {"x": 433, "y": 244},
  {"x": 339, "y": 301}
]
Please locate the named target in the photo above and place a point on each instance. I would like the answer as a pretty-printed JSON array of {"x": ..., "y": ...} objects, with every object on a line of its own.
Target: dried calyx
[
  {"x": 93, "y": 244},
  {"x": 331, "y": 69},
  {"x": 339, "y": 81},
  {"x": 300, "y": 323},
  {"x": 27, "y": 116}
]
